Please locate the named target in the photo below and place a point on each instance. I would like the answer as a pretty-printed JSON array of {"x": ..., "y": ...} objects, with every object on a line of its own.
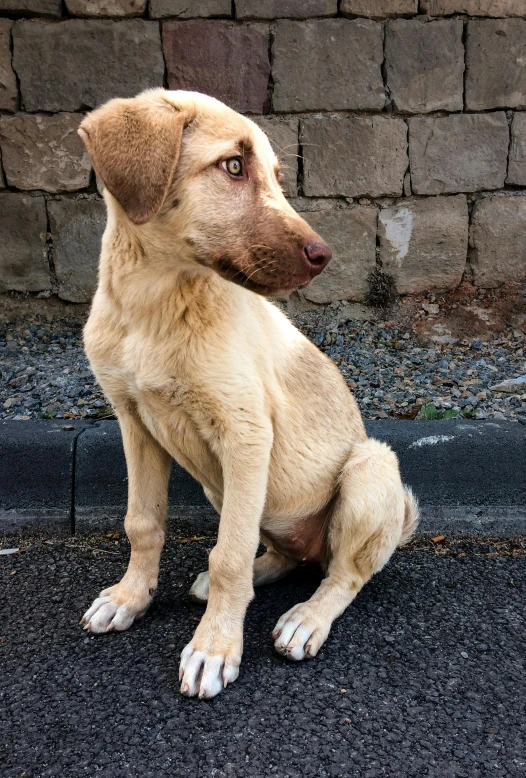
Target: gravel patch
[{"x": 45, "y": 374}]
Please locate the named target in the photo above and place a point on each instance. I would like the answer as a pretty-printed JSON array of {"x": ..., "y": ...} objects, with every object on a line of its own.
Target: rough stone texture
[
  {"x": 44, "y": 152},
  {"x": 106, "y": 7},
  {"x": 8, "y": 87},
  {"x": 76, "y": 227},
  {"x": 283, "y": 135},
  {"x": 425, "y": 65},
  {"x": 496, "y": 64},
  {"x": 459, "y": 153},
  {"x": 330, "y": 64},
  {"x": 351, "y": 234},
  {"x": 189, "y": 9},
  {"x": 354, "y": 156},
  {"x": 379, "y": 8},
  {"x": 239, "y": 53},
  {"x": 517, "y": 155},
  {"x": 82, "y": 63},
  {"x": 474, "y": 7},
  {"x": 423, "y": 243},
  {"x": 33, "y": 7},
  {"x": 292, "y": 9},
  {"x": 23, "y": 256},
  {"x": 498, "y": 238}
]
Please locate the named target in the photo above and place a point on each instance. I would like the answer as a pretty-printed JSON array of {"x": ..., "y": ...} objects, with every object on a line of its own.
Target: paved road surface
[{"x": 424, "y": 676}]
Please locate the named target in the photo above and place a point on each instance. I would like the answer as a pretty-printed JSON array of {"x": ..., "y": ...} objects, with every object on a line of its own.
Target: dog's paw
[
  {"x": 200, "y": 587},
  {"x": 300, "y": 633},
  {"x": 209, "y": 663},
  {"x": 116, "y": 608}
]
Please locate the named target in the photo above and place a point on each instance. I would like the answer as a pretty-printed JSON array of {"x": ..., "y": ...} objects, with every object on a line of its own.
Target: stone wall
[{"x": 402, "y": 124}]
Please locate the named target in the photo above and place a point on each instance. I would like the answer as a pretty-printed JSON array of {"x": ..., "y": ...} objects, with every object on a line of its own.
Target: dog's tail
[{"x": 411, "y": 517}]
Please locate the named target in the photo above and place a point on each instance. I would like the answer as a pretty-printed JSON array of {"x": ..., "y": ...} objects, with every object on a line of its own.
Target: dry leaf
[{"x": 438, "y": 539}]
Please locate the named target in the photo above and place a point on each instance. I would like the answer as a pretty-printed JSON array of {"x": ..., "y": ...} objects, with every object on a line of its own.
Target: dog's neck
[{"x": 143, "y": 281}]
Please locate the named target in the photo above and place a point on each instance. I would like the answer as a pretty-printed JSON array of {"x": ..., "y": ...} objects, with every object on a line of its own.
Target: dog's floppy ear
[{"x": 134, "y": 147}]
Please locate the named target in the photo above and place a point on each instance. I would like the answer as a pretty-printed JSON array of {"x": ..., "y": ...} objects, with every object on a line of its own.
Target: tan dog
[{"x": 200, "y": 368}]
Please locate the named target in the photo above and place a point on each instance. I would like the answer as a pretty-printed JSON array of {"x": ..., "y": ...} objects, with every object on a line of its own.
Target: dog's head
[{"x": 201, "y": 181}]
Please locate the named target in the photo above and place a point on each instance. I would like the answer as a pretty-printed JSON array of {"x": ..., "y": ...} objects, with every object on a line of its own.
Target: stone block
[
  {"x": 283, "y": 135},
  {"x": 32, "y": 7},
  {"x": 379, "y": 8},
  {"x": 474, "y": 7},
  {"x": 498, "y": 239},
  {"x": 239, "y": 53},
  {"x": 423, "y": 243},
  {"x": 425, "y": 65},
  {"x": 183, "y": 9},
  {"x": 517, "y": 160},
  {"x": 81, "y": 63},
  {"x": 23, "y": 234},
  {"x": 44, "y": 152},
  {"x": 458, "y": 153},
  {"x": 8, "y": 87},
  {"x": 290, "y": 9},
  {"x": 496, "y": 64},
  {"x": 76, "y": 228},
  {"x": 351, "y": 235},
  {"x": 328, "y": 65},
  {"x": 354, "y": 156},
  {"x": 106, "y": 7}
]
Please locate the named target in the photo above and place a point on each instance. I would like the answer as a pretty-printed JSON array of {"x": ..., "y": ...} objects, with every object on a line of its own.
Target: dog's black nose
[{"x": 317, "y": 256}]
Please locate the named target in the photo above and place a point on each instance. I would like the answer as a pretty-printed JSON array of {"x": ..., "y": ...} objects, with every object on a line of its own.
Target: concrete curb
[{"x": 470, "y": 476}]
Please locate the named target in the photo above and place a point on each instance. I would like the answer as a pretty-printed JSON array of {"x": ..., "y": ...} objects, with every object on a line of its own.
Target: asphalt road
[{"x": 423, "y": 676}]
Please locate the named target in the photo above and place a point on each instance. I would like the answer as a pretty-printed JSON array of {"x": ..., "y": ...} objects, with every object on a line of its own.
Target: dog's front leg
[
  {"x": 117, "y": 607},
  {"x": 211, "y": 660}
]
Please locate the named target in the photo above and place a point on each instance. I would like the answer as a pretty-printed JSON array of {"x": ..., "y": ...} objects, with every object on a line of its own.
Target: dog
[{"x": 201, "y": 367}]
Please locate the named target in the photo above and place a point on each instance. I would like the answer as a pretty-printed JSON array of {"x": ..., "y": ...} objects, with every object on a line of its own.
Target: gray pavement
[{"x": 423, "y": 676}]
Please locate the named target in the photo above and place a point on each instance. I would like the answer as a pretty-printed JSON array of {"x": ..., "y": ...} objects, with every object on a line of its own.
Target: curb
[{"x": 61, "y": 477}]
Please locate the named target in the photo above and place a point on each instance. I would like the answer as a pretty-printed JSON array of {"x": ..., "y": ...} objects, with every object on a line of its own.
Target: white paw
[
  {"x": 203, "y": 674},
  {"x": 200, "y": 587},
  {"x": 116, "y": 609},
  {"x": 300, "y": 633}
]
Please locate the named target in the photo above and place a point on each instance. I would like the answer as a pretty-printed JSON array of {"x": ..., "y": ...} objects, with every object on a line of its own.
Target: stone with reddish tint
[
  {"x": 8, "y": 87},
  {"x": 104, "y": 59},
  {"x": 289, "y": 9},
  {"x": 44, "y": 152},
  {"x": 283, "y": 135},
  {"x": 227, "y": 61},
  {"x": 106, "y": 7},
  {"x": 314, "y": 70},
  {"x": 23, "y": 235},
  {"x": 354, "y": 156},
  {"x": 193, "y": 9}
]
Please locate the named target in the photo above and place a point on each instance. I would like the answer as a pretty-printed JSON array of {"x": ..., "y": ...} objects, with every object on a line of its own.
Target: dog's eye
[{"x": 233, "y": 166}]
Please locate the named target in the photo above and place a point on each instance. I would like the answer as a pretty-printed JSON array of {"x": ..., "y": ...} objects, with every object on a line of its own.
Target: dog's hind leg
[
  {"x": 268, "y": 567},
  {"x": 148, "y": 464},
  {"x": 373, "y": 515}
]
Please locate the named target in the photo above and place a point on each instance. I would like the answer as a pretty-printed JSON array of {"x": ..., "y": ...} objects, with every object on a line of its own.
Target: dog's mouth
[{"x": 231, "y": 272}]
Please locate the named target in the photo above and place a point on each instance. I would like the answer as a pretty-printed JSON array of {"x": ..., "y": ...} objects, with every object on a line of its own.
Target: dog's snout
[{"x": 317, "y": 257}]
